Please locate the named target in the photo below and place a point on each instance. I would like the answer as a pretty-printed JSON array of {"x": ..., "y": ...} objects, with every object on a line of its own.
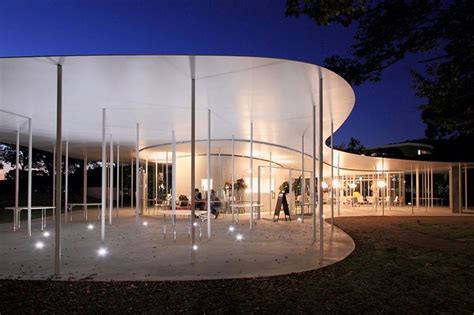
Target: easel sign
[{"x": 281, "y": 202}]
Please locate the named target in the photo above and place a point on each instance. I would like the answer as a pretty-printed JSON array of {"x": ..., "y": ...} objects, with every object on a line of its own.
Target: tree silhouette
[{"x": 388, "y": 31}]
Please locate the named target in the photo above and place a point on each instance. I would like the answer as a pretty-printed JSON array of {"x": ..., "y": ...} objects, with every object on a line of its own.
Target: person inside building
[
  {"x": 215, "y": 204},
  {"x": 198, "y": 199}
]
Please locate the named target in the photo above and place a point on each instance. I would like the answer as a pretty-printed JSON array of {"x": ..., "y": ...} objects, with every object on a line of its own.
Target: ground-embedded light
[
  {"x": 39, "y": 245},
  {"x": 102, "y": 251}
]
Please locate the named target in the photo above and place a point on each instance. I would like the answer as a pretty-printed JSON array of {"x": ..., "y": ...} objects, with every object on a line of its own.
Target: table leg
[
  {"x": 164, "y": 226},
  {"x": 14, "y": 220},
  {"x": 42, "y": 219}
]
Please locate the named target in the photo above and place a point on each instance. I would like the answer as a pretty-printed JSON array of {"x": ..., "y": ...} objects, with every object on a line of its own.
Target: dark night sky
[{"x": 385, "y": 112}]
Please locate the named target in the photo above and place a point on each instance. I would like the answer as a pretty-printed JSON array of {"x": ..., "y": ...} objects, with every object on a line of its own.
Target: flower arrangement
[
  {"x": 285, "y": 187},
  {"x": 227, "y": 186},
  {"x": 240, "y": 184},
  {"x": 296, "y": 186}
]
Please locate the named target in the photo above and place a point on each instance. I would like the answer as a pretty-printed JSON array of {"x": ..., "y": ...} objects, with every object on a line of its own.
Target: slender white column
[
  {"x": 166, "y": 174},
  {"x": 121, "y": 189},
  {"x": 233, "y": 180},
  {"x": 411, "y": 188},
  {"x": 384, "y": 188},
  {"x": 270, "y": 186},
  {"x": 173, "y": 179},
  {"x": 66, "y": 181},
  {"x": 145, "y": 187},
  {"x": 156, "y": 181},
  {"x": 104, "y": 181},
  {"x": 432, "y": 188},
  {"x": 208, "y": 174},
  {"x": 320, "y": 168},
  {"x": 57, "y": 167},
  {"x": 427, "y": 180},
  {"x": 192, "y": 62},
  {"x": 290, "y": 197},
  {"x": 259, "y": 200},
  {"x": 17, "y": 178},
  {"x": 389, "y": 190},
  {"x": 460, "y": 188},
  {"x": 137, "y": 179},
  {"x": 132, "y": 194},
  {"x": 417, "y": 187},
  {"x": 118, "y": 179},
  {"x": 219, "y": 171},
  {"x": 251, "y": 175},
  {"x": 339, "y": 185},
  {"x": 313, "y": 166},
  {"x": 30, "y": 165},
  {"x": 111, "y": 179},
  {"x": 303, "y": 182},
  {"x": 465, "y": 187},
  {"x": 84, "y": 186},
  {"x": 332, "y": 173},
  {"x": 54, "y": 179}
]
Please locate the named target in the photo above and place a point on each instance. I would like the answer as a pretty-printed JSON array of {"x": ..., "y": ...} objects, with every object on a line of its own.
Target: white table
[
  {"x": 17, "y": 213},
  {"x": 85, "y": 205},
  {"x": 184, "y": 212},
  {"x": 239, "y": 206}
]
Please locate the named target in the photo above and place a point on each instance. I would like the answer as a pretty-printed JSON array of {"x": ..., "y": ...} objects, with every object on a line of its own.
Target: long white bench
[{"x": 17, "y": 213}]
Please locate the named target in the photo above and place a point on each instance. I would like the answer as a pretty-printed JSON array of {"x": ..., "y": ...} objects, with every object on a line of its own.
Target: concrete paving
[{"x": 272, "y": 248}]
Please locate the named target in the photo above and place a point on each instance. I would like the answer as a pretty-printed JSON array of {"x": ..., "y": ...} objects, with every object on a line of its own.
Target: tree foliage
[
  {"x": 354, "y": 146},
  {"x": 387, "y": 31}
]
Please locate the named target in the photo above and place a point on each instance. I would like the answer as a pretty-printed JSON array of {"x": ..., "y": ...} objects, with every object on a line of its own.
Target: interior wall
[{"x": 242, "y": 170}]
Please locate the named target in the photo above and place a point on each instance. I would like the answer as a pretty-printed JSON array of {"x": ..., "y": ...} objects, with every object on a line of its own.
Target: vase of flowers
[
  {"x": 240, "y": 186},
  {"x": 296, "y": 186},
  {"x": 284, "y": 187}
]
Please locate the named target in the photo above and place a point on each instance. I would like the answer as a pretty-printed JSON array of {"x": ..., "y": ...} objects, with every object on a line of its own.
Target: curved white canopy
[{"x": 155, "y": 91}]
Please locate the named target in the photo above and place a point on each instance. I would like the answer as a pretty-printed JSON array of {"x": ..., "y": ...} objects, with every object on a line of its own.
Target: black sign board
[{"x": 281, "y": 202}]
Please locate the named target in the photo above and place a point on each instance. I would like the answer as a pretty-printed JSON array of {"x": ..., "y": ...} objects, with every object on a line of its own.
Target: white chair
[
  {"x": 360, "y": 200},
  {"x": 371, "y": 200}
]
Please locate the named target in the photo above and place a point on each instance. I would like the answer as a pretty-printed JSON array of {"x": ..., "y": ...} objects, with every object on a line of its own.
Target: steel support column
[
  {"x": 30, "y": 166},
  {"x": 303, "y": 181},
  {"x": 104, "y": 181},
  {"x": 137, "y": 177},
  {"x": 233, "y": 180},
  {"x": 111, "y": 179},
  {"x": 313, "y": 188},
  {"x": 251, "y": 175},
  {"x": 320, "y": 169},
  {"x": 193, "y": 157},
  {"x": 17, "y": 179},
  {"x": 66, "y": 181},
  {"x": 84, "y": 186},
  {"x": 57, "y": 175},
  {"x": 208, "y": 195}
]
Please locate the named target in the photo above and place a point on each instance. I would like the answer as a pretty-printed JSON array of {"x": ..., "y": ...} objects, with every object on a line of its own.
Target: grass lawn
[{"x": 401, "y": 264}]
